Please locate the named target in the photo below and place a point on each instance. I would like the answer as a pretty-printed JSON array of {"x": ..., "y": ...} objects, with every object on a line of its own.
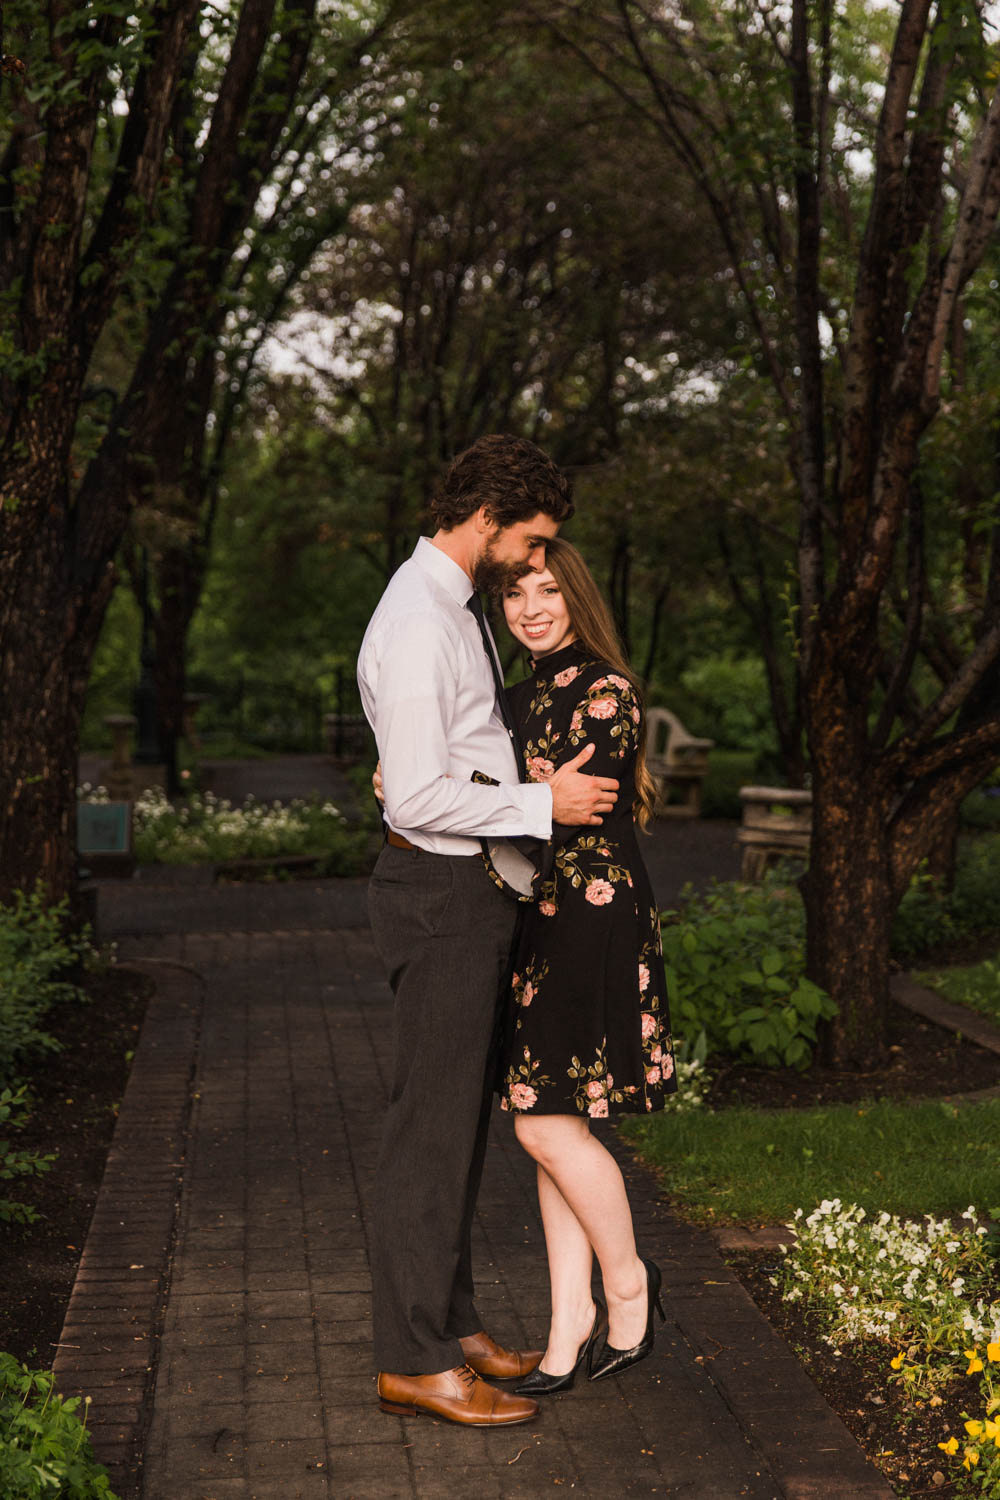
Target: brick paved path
[{"x": 229, "y": 1339}]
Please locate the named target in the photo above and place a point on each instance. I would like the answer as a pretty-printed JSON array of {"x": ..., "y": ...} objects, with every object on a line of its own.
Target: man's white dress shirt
[{"x": 429, "y": 695}]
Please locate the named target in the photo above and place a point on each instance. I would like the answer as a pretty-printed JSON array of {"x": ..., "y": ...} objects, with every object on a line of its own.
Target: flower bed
[
  {"x": 205, "y": 829},
  {"x": 928, "y": 1293}
]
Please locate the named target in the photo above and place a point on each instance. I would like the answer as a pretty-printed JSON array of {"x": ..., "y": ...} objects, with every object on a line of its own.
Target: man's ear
[{"x": 484, "y": 520}]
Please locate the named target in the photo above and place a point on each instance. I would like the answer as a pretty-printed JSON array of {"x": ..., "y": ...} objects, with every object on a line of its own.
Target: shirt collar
[{"x": 453, "y": 579}]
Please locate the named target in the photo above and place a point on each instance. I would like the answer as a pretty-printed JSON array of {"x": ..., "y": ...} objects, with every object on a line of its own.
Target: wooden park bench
[
  {"x": 777, "y": 822},
  {"x": 677, "y": 762}
]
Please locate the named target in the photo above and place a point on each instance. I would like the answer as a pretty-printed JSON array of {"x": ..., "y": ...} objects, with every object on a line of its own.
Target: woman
[{"x": 589, "y": 1029}]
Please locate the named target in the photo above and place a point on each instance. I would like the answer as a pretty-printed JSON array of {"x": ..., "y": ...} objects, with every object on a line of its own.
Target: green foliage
[
  {"x": 930, "y": 917},
  {"x": 45, "y": 1452},
  {"x": 735, "y": 962},
  {"x": 37, "y": 950},
  {"x": 13, "y": 1163},
  {"x": 730, "y": 696}
]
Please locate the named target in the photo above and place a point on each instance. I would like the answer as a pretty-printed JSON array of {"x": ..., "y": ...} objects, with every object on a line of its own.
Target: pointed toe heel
[
  {"x": 538, "y": 1383},
  {"x": 613, "y": 1361}
]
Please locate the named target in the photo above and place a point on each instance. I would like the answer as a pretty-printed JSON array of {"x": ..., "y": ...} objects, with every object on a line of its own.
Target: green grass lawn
[
  {"x": 975, "y": 985},
  {"x": 758, "y": 1166}
]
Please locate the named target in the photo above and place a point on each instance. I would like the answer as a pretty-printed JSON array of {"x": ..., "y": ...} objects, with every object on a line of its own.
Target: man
[{"x": 442, "y": 928}]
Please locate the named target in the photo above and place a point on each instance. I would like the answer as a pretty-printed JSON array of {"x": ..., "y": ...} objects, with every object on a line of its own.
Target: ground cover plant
[
  {"x": 38, "y": 954},
  {"x": 45, "y": 1451},
  {"x": 926, "y": 1292},
  {"x": 735, "y": 965},
  {"x": 205, "y": 829}
]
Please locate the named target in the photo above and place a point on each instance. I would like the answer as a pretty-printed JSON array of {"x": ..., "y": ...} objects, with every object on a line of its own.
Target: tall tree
[
  {"x": 89, "y": 93},
  {"x": 750, "y": 103}
]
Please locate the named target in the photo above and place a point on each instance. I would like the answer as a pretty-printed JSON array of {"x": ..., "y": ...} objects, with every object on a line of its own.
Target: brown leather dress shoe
[
  {"x": 457, "y": 1395},
  {"x": 487, "y": 1357}
]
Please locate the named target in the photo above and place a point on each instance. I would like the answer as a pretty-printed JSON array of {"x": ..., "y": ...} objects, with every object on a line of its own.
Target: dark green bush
[
  {"x": 930, "y": 918},
  {"x": 45, "y": 1452},
  {"x": 37, "y": 951},
  {"x": 735, "y": 963}
]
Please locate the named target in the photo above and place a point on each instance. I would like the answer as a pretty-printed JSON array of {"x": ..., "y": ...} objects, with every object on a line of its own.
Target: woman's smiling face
[{"x": 537, "y": 615}]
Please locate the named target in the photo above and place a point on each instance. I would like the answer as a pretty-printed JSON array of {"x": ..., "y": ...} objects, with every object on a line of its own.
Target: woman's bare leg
[
  {"x": 571, "y": 1259},
  {"x": 588, "y": 1181}
]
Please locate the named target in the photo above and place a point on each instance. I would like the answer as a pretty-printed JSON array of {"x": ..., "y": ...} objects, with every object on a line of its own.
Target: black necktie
[{"x": 475, "y": 607}]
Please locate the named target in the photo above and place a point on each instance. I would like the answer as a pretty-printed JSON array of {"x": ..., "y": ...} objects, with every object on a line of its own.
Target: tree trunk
[
  {"x": 43, "y": 683},
  {"x": 849, "y": 905}
]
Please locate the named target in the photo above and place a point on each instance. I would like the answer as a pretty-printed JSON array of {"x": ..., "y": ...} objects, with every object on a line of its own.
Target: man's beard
[{"x": 491, "y": 576}]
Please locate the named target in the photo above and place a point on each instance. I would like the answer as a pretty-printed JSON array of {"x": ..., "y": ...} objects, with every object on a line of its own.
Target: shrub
[
  {"x": 45, "y": 1452},
  {"x": 37, "y": 951},
  {"x": 13, "y": 1164},
  {"x": 735, "y": 962},
  {"x": 731, "y": 702},
  {"x": 930, "y": 917}
]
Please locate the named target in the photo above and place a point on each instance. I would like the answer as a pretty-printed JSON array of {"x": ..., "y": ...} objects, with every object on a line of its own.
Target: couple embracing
[{"x": 550, "y": 992}]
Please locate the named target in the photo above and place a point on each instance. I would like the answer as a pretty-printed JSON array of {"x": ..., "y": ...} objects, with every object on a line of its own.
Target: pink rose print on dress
[
  {"x": 656, "y": 1056},
  {"x": 636, "y": 716},
  {"x": 668, "y": 1067},
  {"x": 652, "y": 1075},
  {"x": 528, "y": 994},
  {"x": 504, "y": 1104},
  {"x": 602, "y": 708},
  {"x": 522, "y": 1096},
  {"x": 599, "y": 892},
  {"x": 563, "y": 679},
  {"x": 539, "y": 769},
  {"x": 595, "y": 1089},
  {"x": 576, "y": 722},
  {"x": 643, "y": 984},
  {"x": 619, "y": 682},
  {"x": 598, "y": 1110},
  {"x": 648, "y": 1025},
  {"x": 547, "y": 908}
]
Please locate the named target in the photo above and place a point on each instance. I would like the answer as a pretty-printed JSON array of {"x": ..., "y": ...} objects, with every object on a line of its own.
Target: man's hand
[
  {"x": 377, "y": 786},
  {"x": 578, "y": 798}
]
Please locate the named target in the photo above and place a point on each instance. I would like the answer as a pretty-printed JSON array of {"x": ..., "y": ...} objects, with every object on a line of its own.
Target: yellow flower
[
  {"x": 992, "y": 1430},
  {"x": 971, "y": 1458},
  {"x": 975, "y": 1363},
  {"x": 951, "y": 1446},
  {"x": 993, "y": 1353},
  {"x": 974, "y": 1429},
  {"x": 895, "y": 1363}
]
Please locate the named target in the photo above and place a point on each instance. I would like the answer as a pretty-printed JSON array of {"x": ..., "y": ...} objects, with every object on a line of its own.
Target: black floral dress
[{"x": 589, "y": 1029}]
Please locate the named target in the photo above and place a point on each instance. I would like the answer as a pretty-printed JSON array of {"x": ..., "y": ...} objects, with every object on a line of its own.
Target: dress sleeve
[{"x": 608, "y": 717}]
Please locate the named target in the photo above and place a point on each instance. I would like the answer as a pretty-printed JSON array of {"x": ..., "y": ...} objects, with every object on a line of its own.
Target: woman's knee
[{"x": 546, "y": 1137}]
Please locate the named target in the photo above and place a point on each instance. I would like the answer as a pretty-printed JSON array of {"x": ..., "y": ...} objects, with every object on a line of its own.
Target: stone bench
[
  {"x": 777, "y": 823},
  {"x": 677, "y": 762}
]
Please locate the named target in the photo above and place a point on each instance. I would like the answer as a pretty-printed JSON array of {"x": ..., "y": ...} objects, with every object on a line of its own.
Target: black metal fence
[{"x": 279, "y": 715}]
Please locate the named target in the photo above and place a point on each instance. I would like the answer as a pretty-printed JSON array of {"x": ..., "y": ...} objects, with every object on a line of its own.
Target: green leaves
[
  {"x": 45, "y": 1453},
  {"x": 735, "y": 968}
]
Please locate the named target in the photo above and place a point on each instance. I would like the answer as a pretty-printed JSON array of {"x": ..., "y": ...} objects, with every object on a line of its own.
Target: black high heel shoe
[
  {"x": 612, "y": 1361},
  {"x": 540, "y": 1384}
]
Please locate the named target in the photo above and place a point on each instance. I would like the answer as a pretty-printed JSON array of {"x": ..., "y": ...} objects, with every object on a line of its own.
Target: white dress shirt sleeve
[{"x": 417, "y": 691}]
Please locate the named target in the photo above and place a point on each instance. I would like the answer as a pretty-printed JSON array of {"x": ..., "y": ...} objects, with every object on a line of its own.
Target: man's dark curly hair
[{"x": 512, "y": 477}]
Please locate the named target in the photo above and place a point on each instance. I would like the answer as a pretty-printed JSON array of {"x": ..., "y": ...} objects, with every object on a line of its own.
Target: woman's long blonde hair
[{"x": 595, "y": 630}]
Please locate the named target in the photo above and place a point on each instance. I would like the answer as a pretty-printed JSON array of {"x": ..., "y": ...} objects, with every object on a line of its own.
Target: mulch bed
[
  {"x": 75, "y": 1095},
  {"x": 925, "y": 1062}
]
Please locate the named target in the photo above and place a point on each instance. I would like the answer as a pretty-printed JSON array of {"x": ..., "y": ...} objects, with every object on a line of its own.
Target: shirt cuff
[{"x": 537, "y": 809}]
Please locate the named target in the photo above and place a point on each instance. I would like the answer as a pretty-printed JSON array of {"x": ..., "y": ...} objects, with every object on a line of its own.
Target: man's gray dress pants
[{"x": 444, "y": 933}]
